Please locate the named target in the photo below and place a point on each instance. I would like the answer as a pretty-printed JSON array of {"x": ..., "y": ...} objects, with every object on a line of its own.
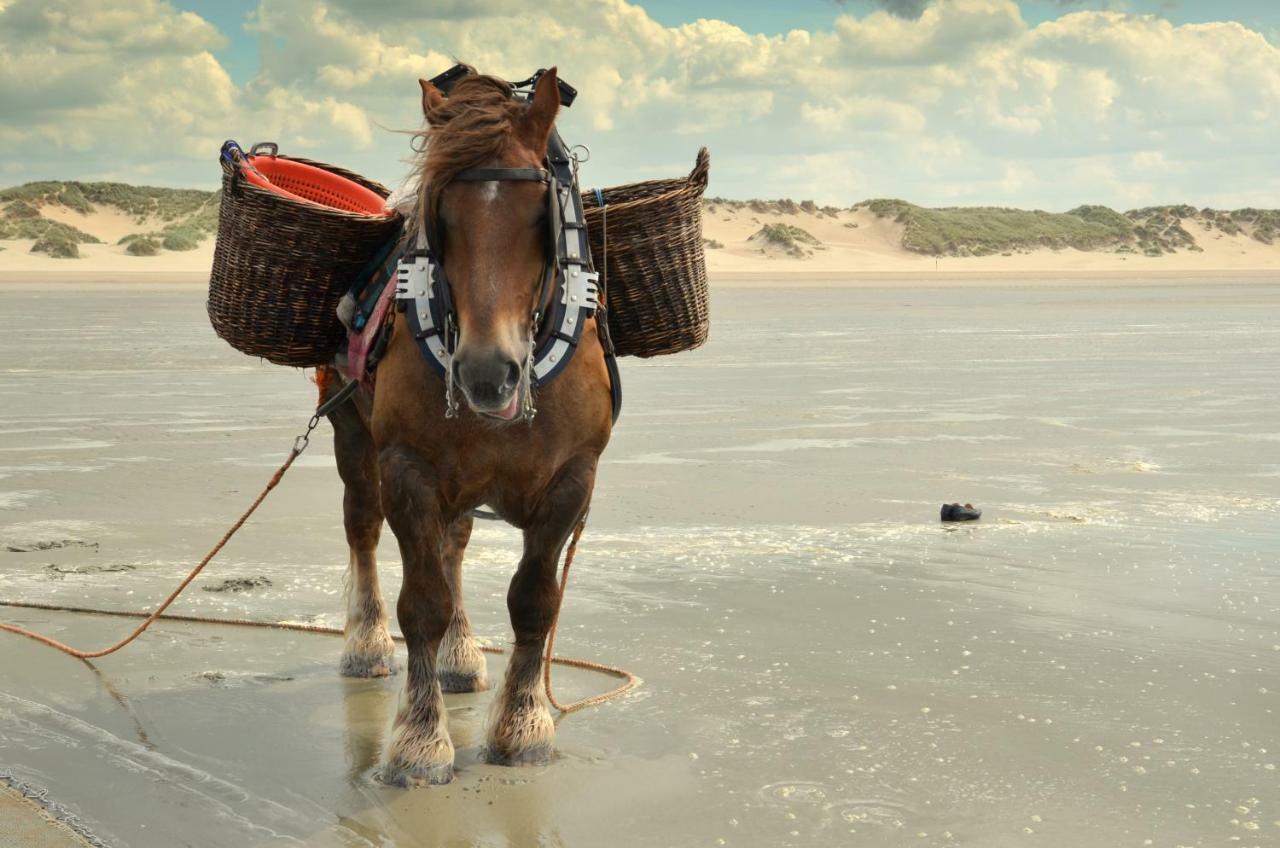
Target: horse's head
[{"x": 493, "y": 235}]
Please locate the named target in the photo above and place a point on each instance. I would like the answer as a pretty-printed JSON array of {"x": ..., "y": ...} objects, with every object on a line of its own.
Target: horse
[{"x": 407, "y": 455}]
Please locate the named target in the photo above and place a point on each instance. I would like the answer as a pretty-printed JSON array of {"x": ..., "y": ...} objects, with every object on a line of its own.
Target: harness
[{"x": 570, "y": 290}]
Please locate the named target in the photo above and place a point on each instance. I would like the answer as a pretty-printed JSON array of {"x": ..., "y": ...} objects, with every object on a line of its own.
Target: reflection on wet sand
[{"x": 1094, "y": 664}]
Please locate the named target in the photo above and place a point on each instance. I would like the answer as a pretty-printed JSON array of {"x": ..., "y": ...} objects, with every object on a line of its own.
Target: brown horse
[{"x": 403, "y": 458}]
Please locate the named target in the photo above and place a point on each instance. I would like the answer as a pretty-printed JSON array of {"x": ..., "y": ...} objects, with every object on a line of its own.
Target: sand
[
  {"x": 858, "y": 248},
  {"x": 23, "y": 824},
  {"x": 1094, "y": 664}
]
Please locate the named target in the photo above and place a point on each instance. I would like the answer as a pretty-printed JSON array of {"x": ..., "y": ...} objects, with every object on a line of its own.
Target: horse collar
[{"x": 569, "y": 292}]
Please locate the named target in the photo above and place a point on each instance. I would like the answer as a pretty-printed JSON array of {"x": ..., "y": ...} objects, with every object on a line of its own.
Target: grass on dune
[
  {"x": 188, "y": 216},
  {"x": 987, "y": 230}
]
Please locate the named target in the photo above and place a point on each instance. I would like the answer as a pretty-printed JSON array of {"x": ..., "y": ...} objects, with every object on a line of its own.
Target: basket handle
[
  {"x": 701, "y": 170},
  {"x": 257, "y": 149}
]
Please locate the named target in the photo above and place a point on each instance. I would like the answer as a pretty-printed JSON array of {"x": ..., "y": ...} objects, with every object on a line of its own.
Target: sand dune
[
  {"x": 858, "y": 243},
  {"x": 849, "y": 245}
]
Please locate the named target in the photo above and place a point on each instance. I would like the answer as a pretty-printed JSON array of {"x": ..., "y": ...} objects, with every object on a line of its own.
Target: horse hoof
[
  {"x": 376, "y": 665},
  {"x": 410, "y": 777},
  {"x": 457, "y": 683},
  {"x": 538, "y": 755}
]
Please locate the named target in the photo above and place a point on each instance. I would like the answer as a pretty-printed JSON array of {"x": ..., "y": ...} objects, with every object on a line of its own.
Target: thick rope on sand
[{"x": 630, "y": 681}]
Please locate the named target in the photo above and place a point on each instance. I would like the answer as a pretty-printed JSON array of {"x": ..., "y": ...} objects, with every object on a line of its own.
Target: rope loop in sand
[{"x": 630, "y": 681}]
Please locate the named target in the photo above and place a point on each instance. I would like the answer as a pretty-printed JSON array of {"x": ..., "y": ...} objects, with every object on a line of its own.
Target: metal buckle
[{"x": 413, "y": 277}]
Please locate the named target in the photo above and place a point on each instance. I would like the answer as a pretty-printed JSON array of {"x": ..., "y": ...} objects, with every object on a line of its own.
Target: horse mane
[{"x": 473, "y": 125}]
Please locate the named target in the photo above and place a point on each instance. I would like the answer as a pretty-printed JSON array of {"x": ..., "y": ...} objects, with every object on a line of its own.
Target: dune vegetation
[
  {"x": 790, "y": 239},
  {"x": 985, "y": 230},
  {"x": 167, "y": 218}
]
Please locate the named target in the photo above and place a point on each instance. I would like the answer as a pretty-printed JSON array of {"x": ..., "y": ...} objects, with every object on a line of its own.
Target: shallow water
[{"x": 1095, "y": 663}]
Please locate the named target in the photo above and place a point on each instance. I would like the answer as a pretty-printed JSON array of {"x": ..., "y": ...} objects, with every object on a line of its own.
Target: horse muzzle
[{"x": 490, "y": 384}]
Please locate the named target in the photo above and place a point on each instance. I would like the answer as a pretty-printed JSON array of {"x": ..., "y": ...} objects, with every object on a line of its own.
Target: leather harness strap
[
  {"x": 569, "y": 293},
  {"x": 484, "y": 175}
]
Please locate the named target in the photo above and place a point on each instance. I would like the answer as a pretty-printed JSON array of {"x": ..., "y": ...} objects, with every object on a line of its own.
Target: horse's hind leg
[
  {"x": 460, "y": 664},
  {"x": 521, "y": 730},
  {"x": 369, "y": 650}
]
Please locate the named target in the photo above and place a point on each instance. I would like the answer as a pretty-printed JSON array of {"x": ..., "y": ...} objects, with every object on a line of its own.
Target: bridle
[{"x": 569, "y": 291}]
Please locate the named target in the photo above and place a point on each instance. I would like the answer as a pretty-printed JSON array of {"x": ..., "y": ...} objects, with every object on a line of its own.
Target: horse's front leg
[
  {"x": 369, "y": 651},
  {"x": 421, "y": 751},
  {"x": 521, "y": 730},
  {"x": 460, "y": 664}
]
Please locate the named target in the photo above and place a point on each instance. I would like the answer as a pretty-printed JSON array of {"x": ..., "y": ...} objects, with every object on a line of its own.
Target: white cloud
[
  {"x": 126, "y": 80},
  {"x": 863, "y": 113},
  {"x": 964, "y": 103}
]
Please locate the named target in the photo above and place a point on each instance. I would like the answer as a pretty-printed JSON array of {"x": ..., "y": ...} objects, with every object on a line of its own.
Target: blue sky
[{"x": 1047, "y": 103}]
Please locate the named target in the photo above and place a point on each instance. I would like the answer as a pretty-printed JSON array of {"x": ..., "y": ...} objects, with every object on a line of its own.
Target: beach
[{"x": 1094, "y": 663}]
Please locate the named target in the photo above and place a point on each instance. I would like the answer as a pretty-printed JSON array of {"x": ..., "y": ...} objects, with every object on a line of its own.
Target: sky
[{"x": 1034, "y": 103}]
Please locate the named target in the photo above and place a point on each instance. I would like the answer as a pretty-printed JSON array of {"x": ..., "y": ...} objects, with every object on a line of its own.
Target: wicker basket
[
  {"x": 283, "y": 260},
  {"x": 655, "y": 265}
]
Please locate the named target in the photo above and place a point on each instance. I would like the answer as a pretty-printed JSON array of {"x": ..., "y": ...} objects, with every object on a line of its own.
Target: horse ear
[
  {"x": 432, "y": 98},
  {"x": 543, "y": 107}
]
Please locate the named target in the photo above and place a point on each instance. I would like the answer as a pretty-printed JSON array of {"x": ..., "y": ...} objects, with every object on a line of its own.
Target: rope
[
  {"x": 299, "y": 446},
  {"x": 573, "y": 707},
  {"x": 630, "y": 681}
]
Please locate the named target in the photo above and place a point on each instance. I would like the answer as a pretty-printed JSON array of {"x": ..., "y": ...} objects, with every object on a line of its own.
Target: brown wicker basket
[
  {"x": 654, "y": 264},
  {"x": 281, "y": 265}
]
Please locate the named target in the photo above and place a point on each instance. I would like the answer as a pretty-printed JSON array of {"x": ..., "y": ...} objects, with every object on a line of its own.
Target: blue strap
[
  {"x": 376, "y": 276},
  {"x": 229, "y": 147},
  {"x": 599, "y": 197}
]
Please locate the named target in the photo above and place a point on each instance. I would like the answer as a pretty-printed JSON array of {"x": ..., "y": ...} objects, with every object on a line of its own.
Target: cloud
[
  {"x": 904, "y": 8},
  {"x": 132, "y": 89},
  {"x": 944, "y": 33},
  {"x": 107, "y": 80},
  {"x": 948, "y": 101}
]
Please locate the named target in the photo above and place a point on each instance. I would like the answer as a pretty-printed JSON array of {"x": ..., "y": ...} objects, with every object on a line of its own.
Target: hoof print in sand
[
  {"x": 48, "y": 545},
  {"x": 59, "y": 570},
  {"x": 238, "y": 584}
]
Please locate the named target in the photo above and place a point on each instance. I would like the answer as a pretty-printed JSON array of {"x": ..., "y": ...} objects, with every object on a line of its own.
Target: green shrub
[
  {"x": 73, "y": 198},
  {"x": 57, "y": 245},
  {"x": 181, "y": 239},
  {"x": 21, "y": 209},
  {"x": 20, "y": 227},
  {"x": 793, "y": 240},
  {"x": 144, "y": 246},
  {"x": 986, "y": 230}
]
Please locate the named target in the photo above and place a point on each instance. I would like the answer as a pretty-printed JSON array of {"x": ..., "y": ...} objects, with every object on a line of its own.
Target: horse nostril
[
  {"x": 513, "y": 375},
  {"x": 487, "y": 379}
]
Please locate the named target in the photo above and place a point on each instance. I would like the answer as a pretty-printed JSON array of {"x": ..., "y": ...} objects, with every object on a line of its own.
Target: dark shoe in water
[{"x": 957, "y": 512}]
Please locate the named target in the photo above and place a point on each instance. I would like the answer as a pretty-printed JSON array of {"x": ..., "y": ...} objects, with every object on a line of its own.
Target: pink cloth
[{"x": 359, "y": 344}]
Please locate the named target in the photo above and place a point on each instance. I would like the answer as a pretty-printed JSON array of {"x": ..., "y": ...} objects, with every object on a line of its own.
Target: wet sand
[
  {"x": 24, "y": 824},
  {"x": 1095, "y": 663}
]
